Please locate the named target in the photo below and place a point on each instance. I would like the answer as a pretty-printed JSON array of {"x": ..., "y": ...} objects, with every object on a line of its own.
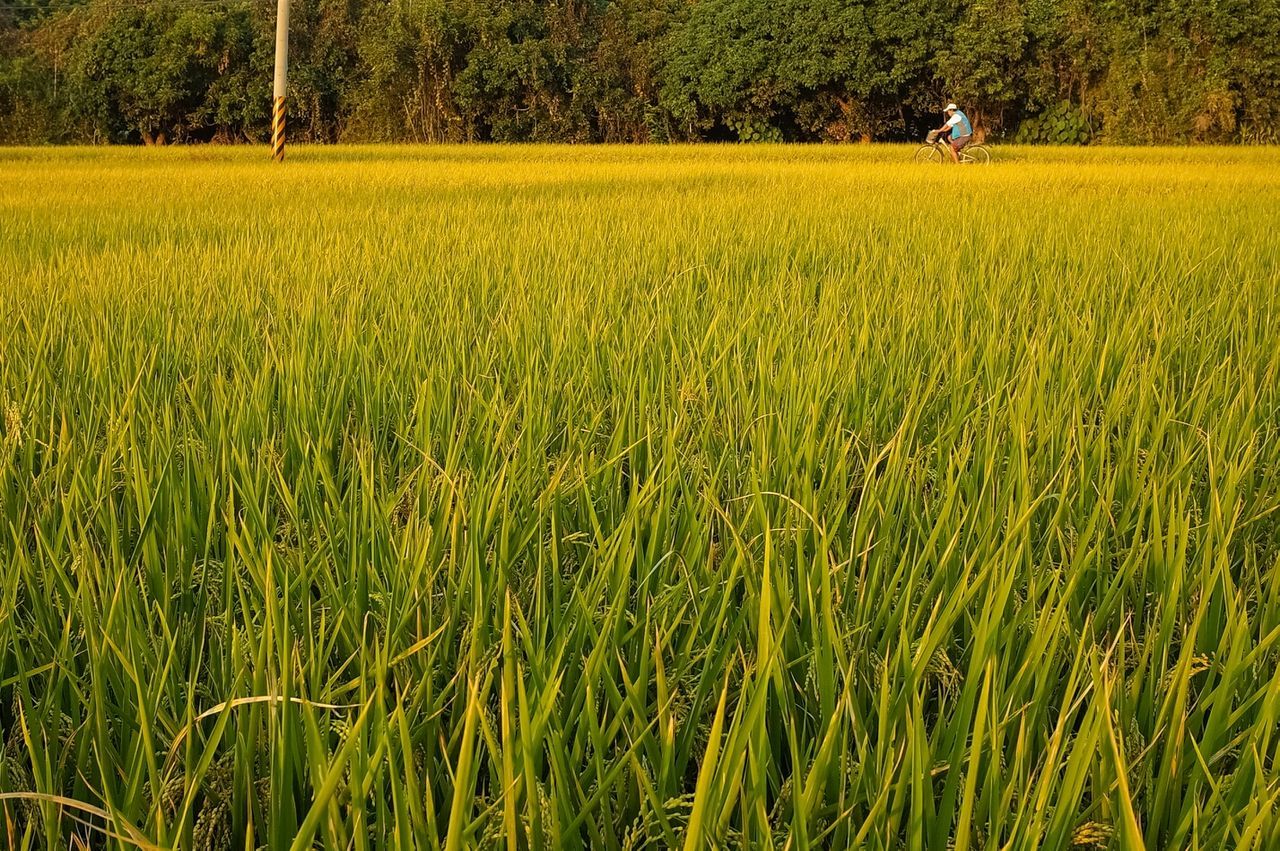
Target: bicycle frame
[{"x": 945, "y": 147}]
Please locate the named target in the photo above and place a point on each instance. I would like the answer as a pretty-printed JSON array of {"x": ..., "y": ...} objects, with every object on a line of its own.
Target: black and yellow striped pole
[{"x": 282, "y": 72}]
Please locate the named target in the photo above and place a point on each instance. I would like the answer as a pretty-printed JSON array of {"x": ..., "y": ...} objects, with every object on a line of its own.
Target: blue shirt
[{"x": 959, "y": 124}]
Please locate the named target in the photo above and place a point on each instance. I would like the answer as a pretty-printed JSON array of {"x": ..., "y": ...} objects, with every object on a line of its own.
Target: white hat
[{"x": 951, "y": 107}]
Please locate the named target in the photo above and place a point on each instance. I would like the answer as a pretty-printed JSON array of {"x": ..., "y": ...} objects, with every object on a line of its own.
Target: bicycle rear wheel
[
  {"x": 928, "y": 154},
  {"x": 978, "y": 154}
]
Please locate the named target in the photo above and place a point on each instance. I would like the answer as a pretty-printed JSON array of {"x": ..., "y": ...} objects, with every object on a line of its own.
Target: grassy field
[{"x": 639, "y": 498}]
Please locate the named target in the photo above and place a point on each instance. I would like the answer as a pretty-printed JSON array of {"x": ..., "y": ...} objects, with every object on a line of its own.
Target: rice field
[{"x": 614, "y": 498}]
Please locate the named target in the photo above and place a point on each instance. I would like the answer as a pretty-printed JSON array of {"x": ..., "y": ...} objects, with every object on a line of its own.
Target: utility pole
[{"x": 282, "y": 72}]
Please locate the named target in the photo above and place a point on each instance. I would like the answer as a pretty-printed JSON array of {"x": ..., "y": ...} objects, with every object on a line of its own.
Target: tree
[
  {"x": 981, "y": 59},
  {"x": 639, "y": 70}
]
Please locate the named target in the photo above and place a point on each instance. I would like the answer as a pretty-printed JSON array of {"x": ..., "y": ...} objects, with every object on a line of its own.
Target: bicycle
[{"x": 934, "y": 150}]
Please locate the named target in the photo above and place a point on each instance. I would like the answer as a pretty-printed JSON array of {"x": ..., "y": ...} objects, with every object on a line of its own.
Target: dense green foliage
[
  {"x": 640, "y": 498},
  {"x": 1134, "y": 71}
]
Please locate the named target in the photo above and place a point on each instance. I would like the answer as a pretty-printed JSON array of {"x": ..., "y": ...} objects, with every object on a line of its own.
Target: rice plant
[{"x": 615, "y": 498}]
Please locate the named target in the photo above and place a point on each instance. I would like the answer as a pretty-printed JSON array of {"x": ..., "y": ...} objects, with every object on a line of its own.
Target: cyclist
[{"x": 961, "y": 131}]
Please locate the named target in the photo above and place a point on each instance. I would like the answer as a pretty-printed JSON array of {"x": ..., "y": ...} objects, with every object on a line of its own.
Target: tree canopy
[{"x": 1124, "y": 71}]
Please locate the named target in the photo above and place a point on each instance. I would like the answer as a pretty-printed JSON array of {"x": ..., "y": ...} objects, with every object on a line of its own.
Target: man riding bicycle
[{"x": 961, "y": 131}]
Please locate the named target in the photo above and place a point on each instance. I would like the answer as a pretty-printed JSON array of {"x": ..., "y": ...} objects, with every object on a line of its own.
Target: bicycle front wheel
[
  {"x": 928, "y": 154},
  {"x": 979, "y": 155}
]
